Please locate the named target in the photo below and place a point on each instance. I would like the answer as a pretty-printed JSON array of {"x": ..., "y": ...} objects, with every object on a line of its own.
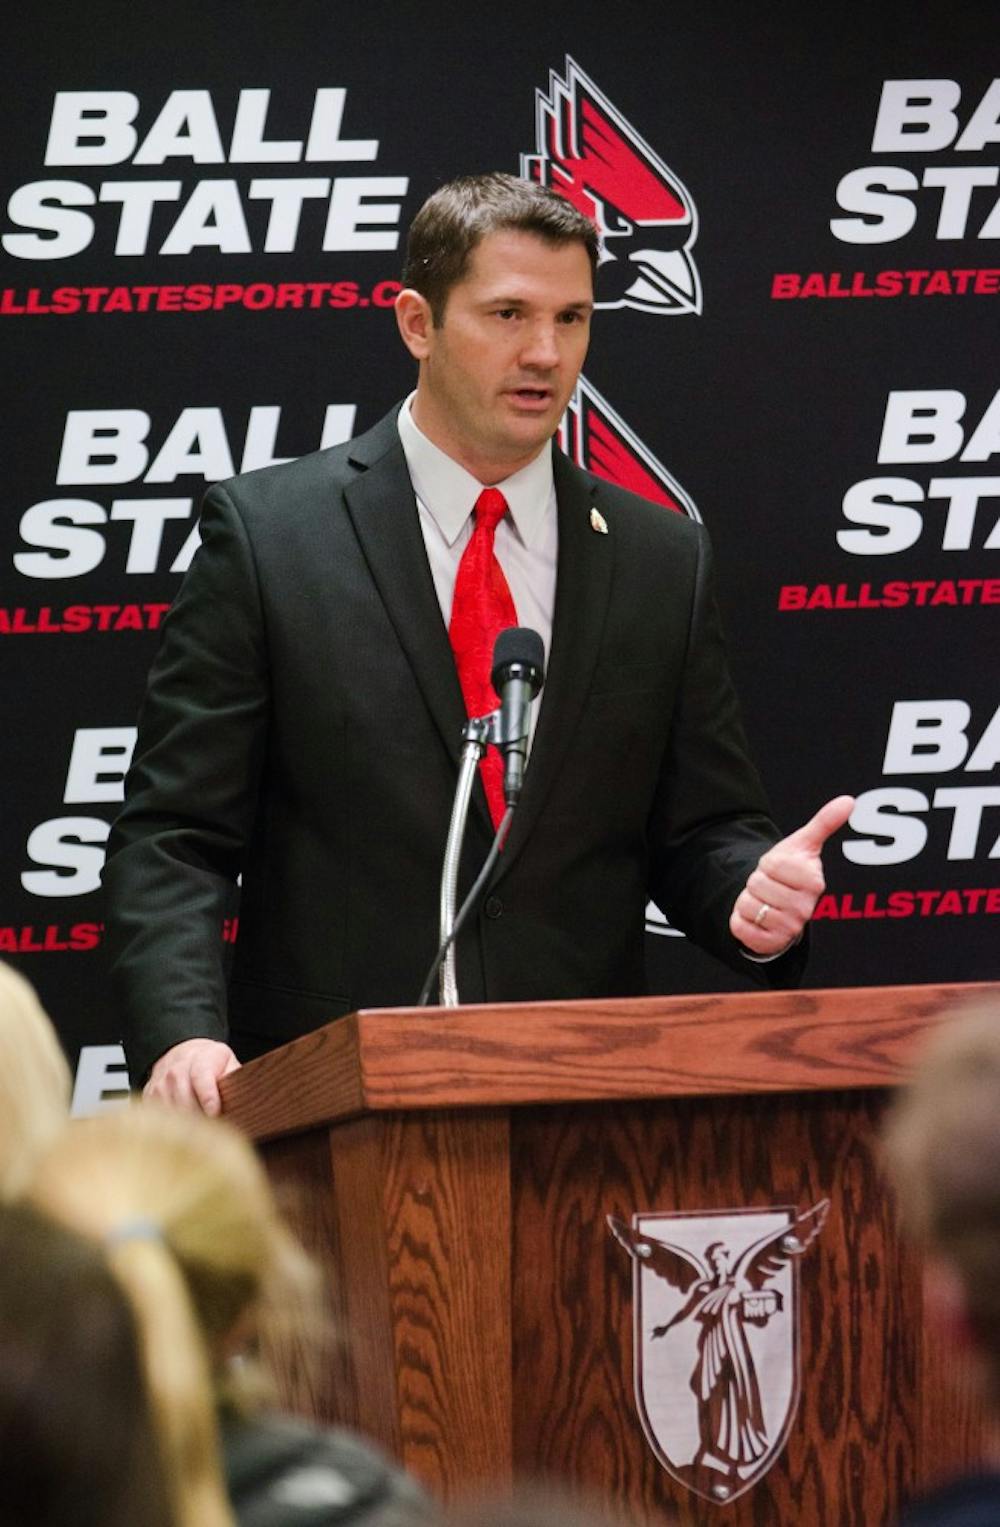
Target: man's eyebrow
[{"x": 584, "y": 304}]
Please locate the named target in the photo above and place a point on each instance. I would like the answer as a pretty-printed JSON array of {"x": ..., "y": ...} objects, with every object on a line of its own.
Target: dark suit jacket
[{"x": 303, "y": 725}]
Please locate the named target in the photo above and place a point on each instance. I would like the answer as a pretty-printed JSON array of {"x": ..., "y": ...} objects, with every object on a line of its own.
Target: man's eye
[
  {"x": 572, "y": 317},
  {"x": 506, "y": 312}
]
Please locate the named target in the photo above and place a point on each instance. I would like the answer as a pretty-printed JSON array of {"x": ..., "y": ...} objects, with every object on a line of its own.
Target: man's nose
[{"x": 540, "y": 347}]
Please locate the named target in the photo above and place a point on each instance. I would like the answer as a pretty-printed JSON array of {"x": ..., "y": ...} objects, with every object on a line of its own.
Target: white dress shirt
[{"x": 527, "y": 539}]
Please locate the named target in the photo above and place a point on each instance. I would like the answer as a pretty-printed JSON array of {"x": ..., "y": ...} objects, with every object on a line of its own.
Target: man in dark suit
[{"x": 304, "y": 714}]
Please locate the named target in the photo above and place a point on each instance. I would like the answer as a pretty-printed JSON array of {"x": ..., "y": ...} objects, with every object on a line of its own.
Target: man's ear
[
  {"x": 413, "y": 315},
  {"x": 946, "y": 1305}
]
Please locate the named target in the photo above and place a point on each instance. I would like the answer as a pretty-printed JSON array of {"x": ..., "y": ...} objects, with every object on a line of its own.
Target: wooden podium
[{"x": 454, "y": 1171}]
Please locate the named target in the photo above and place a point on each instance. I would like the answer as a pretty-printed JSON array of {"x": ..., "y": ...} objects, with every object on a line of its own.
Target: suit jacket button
[{"x": 493, "y": 907}]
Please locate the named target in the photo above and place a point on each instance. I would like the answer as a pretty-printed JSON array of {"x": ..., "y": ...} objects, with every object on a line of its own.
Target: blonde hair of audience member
[
  {"x": 34, "y": 1082},
  {"x": 942, "y": 1143},
  {"x": 195, "y": 1237}
]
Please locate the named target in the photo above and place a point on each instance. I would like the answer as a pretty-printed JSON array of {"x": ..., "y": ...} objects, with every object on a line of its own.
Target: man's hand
[
  {"x": 781, "y": 895},
  {"x": 188, "y": 1075}
]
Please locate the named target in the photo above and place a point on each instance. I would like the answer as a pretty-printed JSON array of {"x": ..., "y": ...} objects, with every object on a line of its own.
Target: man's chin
[
  {"x": 531, "y": 429},
  {"x": 521, "y": 449}
]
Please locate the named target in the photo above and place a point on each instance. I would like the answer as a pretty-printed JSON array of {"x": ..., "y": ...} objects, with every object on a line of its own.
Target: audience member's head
[
  {"x": 77, "y": 1446},
  {"x": 943, "y": 1148},
  {"x": 193, "y": 1234},
  {"x": 34, "y": 1082}
]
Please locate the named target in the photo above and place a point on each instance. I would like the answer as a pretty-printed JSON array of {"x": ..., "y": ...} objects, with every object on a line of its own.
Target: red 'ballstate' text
[
  {"x": 197, "y": 297},
  {"x": 81, "y": 617},
  {"x": 897, "y": 594},
  {"x": 78, "y": 938},
  {"x": 886, "y": 283},
  {"x": 854, "y": 905},
  {"x": 52, "y": 939}
]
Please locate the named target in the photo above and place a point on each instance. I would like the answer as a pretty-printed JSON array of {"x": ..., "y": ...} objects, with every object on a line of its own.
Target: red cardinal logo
[
  {"x": 590, "y": 154},
  {"x": 597, "y": 439}
]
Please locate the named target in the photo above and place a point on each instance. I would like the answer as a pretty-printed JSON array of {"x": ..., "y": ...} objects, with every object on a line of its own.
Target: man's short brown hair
[{"x": 454, "y": 219}]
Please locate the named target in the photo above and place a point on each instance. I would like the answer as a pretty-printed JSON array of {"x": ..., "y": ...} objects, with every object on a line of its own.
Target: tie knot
[{"x": 490, "y": 508}]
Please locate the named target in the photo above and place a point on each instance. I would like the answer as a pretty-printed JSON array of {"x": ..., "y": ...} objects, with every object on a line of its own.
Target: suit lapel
[
  {"x": 383, "y": 510},
  {"x": 583, "y": 587}
]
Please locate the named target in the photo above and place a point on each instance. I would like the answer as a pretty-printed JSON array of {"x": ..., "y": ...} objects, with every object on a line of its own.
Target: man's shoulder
[
  {"x": 628, "y": 513},
  {"x": 313, "y": 477}
]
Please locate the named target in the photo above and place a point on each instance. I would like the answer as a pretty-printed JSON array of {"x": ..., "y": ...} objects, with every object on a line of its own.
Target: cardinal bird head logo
[
  {"x": 596, "y": 438},
  {"x": 587, "y": 151}
]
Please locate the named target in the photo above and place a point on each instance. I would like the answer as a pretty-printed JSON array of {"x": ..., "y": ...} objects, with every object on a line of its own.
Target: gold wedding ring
[{"x": 761, "y": 917}]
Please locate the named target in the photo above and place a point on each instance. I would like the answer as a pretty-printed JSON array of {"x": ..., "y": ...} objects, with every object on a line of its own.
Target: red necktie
[{"x": 482, "y": 607}]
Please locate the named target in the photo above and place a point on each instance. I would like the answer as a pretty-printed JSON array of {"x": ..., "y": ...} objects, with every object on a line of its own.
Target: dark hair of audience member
[
  {"x": 942, "y": 1141},
  {"x": 77, "y": 1441}
]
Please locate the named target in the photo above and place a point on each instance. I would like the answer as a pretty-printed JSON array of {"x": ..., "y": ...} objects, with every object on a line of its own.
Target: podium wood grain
[
  {"x": 574, "y": 1397},
  {"x": 653, "y": 1047},
  {"x": 458, "y": 1169}
]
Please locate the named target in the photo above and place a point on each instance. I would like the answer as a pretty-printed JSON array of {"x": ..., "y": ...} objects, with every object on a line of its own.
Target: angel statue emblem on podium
[{"x": 716, "y": 1338}]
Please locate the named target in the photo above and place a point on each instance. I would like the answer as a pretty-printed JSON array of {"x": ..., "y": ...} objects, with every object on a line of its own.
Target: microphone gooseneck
[{"x": 517, "y": 675}]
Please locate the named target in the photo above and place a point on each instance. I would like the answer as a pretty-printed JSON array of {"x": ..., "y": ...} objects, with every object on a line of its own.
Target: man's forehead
[{"x": 515, "y": 254}]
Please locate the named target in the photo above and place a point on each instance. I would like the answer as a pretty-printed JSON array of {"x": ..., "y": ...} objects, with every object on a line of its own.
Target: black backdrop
[{"x": 831, "y": 334}]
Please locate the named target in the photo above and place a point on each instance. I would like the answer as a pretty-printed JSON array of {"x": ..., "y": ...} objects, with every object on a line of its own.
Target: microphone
[{"x": 517, "y": 676}]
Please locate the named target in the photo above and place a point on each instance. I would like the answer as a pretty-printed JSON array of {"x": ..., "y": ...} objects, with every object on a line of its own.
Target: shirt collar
[{"x": 448, "y": 492}]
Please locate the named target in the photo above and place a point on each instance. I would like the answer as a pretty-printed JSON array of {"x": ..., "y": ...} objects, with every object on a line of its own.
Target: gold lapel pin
[{"x": 598, "y": 522}]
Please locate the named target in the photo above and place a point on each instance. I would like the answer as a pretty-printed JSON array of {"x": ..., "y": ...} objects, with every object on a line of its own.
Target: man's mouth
[{"x": 531, "y": 397}]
